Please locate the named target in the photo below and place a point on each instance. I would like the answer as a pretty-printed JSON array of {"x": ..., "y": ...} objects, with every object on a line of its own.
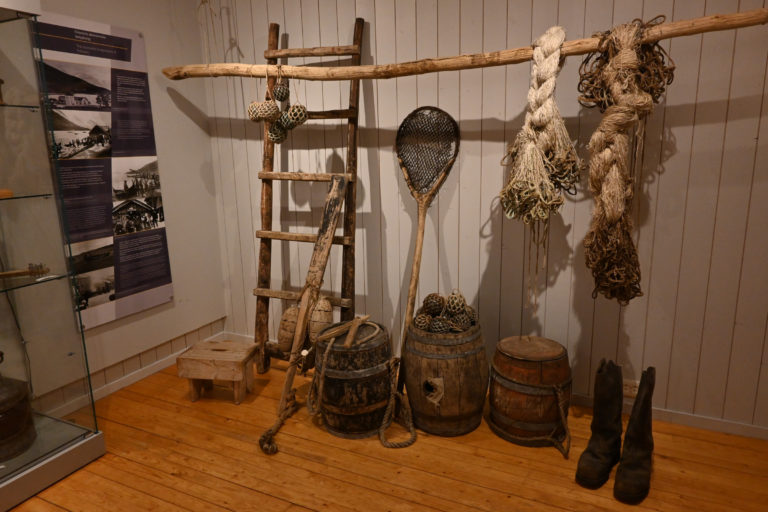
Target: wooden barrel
[
  {"x": 17, "y": 429},
  {"x": 530, "y": 392},
  {"x": 357, "y": 383},
  {"x": 446, "y": 377}
]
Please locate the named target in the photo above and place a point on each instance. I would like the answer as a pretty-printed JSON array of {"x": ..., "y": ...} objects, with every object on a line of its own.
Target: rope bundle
[
  {"x": 543, "y": 160},
  {"x": 623, "y": 80}
]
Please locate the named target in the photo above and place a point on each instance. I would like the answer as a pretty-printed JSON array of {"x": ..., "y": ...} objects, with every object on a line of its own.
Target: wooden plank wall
[{"x": 699, "y": 205}]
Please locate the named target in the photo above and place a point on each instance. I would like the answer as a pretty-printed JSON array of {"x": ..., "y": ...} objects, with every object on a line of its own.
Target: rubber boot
[
  {"x": 604, "y": 447},
  {"x": 633, "y": 477}
]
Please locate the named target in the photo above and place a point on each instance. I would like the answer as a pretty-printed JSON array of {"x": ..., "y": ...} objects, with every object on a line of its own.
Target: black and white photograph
[
  {"x": 78, "y": 86},
  {"x": 95, "y": 287},
  {"x": 137, "y": 204},
  {"x": 91, "y": 255},
  {"x": 82, "y": 134}
]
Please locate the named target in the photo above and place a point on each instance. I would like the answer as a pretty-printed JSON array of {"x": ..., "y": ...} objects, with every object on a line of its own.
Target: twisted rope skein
[
  {"x": 542, "y": 157},
  {"x": 610, "y": 250},
  {"x": 551, "y": 135}
]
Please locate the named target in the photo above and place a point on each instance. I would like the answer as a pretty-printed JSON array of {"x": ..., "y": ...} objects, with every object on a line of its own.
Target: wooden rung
[
  {"x": 289, "y": 295},
  {"x": 318, "y": 51},
  {"x": 300, "y": 237},
  {"x": 332, "y": 114},
  {"x": 303, "y": 176}
]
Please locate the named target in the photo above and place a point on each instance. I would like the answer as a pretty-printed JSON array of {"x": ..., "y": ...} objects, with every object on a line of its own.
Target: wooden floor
[{"x": 166, "y": 453}]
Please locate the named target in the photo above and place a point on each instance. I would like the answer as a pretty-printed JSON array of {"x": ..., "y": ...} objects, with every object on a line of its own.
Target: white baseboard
[
  {"x": 115, "y": 385},
  {"x": 690, "y": 420}
]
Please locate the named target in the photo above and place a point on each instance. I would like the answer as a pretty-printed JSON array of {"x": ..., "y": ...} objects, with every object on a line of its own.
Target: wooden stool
[{"x": 226, "y": 360}]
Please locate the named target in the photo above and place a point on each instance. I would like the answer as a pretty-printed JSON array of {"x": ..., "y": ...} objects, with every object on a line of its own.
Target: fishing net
[{"x": 427, "y": 143}]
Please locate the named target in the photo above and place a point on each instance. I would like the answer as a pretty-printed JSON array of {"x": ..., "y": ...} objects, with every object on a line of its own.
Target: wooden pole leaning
[
  {"x": 317, "y": 265},
  {"x": 669, "y": 30}
]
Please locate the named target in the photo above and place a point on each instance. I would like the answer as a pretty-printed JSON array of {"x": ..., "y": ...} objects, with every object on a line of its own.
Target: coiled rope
[{"x": 405, "y": 409}]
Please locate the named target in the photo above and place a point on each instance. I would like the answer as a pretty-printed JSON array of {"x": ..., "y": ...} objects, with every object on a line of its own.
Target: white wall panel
[
  {"x": 447, "y": 201},
  {"x": 698, "y": 209},
  {"x": 736, "y": 170},
  {"x": 563, "y": 318},
  {"x": 491, "y": 175},
  {"x": 675, "y": 170},
  {"x": 633, "y": 318},
  {"x": 427, "y": 94},
  {"x": 512, "y": 283},
  {"x": 743, "y": 400},
  {"x": 369, "y": 246}
]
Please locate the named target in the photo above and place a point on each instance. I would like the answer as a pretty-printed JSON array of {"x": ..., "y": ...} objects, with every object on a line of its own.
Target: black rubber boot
[
  {"x": 633, "y": 477},
  {"x": 604, "y": 447}
]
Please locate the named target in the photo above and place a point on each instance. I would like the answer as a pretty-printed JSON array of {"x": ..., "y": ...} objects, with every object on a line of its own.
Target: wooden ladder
[{"x": 263, "y": 293}]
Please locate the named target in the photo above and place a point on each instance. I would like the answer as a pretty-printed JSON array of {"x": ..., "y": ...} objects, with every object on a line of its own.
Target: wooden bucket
[
  {"x": 357, "y": 382},
  {"x": 446, "y": 377},
  {"x": 530, "y": 392}
]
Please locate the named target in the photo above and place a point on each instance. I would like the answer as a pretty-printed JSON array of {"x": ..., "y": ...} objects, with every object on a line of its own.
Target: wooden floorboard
[{"x": 167, "y": 453}]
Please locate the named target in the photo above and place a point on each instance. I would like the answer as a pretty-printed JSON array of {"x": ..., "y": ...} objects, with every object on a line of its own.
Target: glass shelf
[
  {"x": 27, "y": 196},
  {"x": 14, "y": 283},
  {"x": 33, "y": 108}
]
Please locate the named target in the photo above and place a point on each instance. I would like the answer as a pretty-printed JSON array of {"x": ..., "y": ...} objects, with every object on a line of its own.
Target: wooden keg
[
  {"x": 356, "y": 381},
  {"x": 17, "y": 429},
  {"x": 446, "y": 377},
  {"x": 530, "y": 392}
]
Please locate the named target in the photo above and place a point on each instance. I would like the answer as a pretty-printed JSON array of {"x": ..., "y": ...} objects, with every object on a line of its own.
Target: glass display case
[{"x": 44, "y": 371}]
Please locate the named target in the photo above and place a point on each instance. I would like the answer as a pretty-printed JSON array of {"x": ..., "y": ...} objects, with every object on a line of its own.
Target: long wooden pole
[{"x": 478, "y": 60}]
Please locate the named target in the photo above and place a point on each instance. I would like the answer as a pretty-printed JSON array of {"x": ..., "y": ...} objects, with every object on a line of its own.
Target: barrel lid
[
  {"x": 531, "y": 348},
  {"x": 12, "y": 391}
]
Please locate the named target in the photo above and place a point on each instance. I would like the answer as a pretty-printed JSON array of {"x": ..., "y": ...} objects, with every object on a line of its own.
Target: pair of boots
[{"x": 633, "y": 477}]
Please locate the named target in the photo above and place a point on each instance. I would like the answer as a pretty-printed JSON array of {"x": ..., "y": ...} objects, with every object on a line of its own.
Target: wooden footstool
[{"x": 225, "y": 360}]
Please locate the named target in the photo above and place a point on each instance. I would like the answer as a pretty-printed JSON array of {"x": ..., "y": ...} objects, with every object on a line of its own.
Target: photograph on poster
[
  {"x": 82, "y": 134},
  {"x": 95, "y": 288},
  {"x": 78, "y": 86},
  {"x": 137, "y": 204},
  {"x": 91, "y": 255}
]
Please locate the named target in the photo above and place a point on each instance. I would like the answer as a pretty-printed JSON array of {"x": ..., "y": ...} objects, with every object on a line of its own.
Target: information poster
[{"x": 104, "y": 143}]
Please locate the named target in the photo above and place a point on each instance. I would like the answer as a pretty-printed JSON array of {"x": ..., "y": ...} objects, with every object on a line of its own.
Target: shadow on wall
[{"x": 369, "y": 136}]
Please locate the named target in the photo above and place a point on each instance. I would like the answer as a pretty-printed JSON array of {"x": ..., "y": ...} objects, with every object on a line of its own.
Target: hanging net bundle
[
  {"x": 624, "y": 78},
  {"x": 542, "y": 159}
]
